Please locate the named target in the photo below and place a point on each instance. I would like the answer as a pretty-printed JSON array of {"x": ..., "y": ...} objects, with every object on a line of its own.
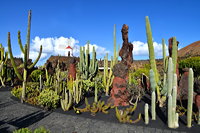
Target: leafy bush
[
  {"x": 37, "y": 130},
  {"x": 137, "y": 74},
  {"x": 17, "y": 92},
  {"x": 192, "y": 62},
  {"x": 48, "y": 98},
  {"x": 41, "y": 130},
  {"x": 23, "y": 130},
  {"x": 35, "y": 75},
  {"x": 33, "y": 84},
  {"x": 31, "y": 94}
]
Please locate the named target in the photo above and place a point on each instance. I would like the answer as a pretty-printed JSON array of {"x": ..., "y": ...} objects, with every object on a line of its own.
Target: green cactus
[
  {"x": 25, "y": 50},
  {"x": 174, "y": 53},
  {"x": 88, "y": 67},
  {"x": 151, "y": 55},
  {"x": 77, "y": 89},
  {"x": 67, "y": 102},
  {"x": 190, "y": 97},
  {"x": 108, "y": 74},
  {"x": 146, "y": 113},
  {"x": 3, "y": 60},
  {"x": 49, "y": 79},
  {"x": 170, "y": 77},
  {"x": 170, "y": 119},
  {"x": 153, "y": 105},
  {"x": 116, "y": 52},
  {"x": 96, "y": 93},
  {"x": 152, "y": 80}
]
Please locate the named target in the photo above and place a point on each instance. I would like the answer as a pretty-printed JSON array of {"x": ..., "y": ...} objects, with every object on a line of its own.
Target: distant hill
[{"x": 190, "y": 51}]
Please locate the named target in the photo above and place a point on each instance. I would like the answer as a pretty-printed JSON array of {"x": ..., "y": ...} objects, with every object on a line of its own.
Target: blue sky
[{"x": 55, "y": 21}]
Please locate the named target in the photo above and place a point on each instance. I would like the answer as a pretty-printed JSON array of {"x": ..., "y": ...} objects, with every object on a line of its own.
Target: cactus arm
[
  {"x": 170, "y": 123},
  {"x": 12, "y": 58},
  {"x": 153, "y": 105},
  {"x": 20, "y": 42},
  {"x": 37, "y": 59}
]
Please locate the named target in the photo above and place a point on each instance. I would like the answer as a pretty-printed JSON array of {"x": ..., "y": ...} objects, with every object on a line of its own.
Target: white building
[{"x": 69, "y": 51}]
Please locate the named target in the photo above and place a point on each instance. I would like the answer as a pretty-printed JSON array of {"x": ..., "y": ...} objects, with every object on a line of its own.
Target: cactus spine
[
  {"x": 87, "y": 67},
  {"x": 190, "y": 97},
  {"x": 25, "y": 50},
  {"x": 151, "y": 54},
  {"x": 146, "y": 114}
]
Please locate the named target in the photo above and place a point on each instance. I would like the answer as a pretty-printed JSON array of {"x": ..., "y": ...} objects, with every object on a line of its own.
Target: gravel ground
[{"x": 14, "y": 115}]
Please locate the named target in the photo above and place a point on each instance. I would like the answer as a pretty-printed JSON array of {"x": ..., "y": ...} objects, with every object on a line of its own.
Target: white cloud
[
  {"x": 56, "y": 46},
  {"x": 141, "y": 49}
]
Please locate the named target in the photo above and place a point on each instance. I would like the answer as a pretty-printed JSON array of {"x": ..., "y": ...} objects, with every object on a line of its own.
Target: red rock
[
  {"x": 72, "y": 71},
  {"x": 197, "y": 101},
  {"x": 119, "y": 93}
]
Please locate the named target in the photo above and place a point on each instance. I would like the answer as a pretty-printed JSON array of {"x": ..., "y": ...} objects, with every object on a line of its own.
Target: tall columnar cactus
[
  {"x": 25, "y": 51},
  {"x": 116, "y": 52},
  {"x": 77, "y": 89},
  {"x": 170, "y": 119},
  {"x": 190, "y": 97},
  {"x": 151, "y": 54},
  {"x": 67, "y": 102},
  {"x": 146, "y": 113},
  {"x": 3, "y": 60},
  {"x": 174, "y": 53},
  {"x": 153, "y": 94},
  {"x": 108, "y": 74},
  {"x": 95, "y": 93},
  {"x": 87, "y": 67},
  {"x": 170, "y": 77}
]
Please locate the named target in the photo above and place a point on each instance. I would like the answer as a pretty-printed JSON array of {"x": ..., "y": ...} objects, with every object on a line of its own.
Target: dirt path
[{"x": 14, "y": 115}]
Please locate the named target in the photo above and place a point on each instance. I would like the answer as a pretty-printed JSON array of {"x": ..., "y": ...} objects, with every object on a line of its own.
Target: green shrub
[
  {"x": 48, "y": 98},
  {"x": 37, "y": 130},
  {"x": 23, "y": 130},
  {"x": 17, "y": 92},
  {"x": 35, "y": 75},
  {"x": 30, "y": 92},
  {"x": 192, "y": 62},
  {"x": 41, "y": 130},
  {"x": 137, "y": 74}
]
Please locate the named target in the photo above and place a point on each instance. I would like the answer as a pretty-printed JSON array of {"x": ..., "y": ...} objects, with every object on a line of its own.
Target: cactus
[
  {"x": 96, "y": 93},
  {"x": 146, "y": 114},
  {"x": 77, "y": 90},
  {"x": 87, "y": 67},
  {"x": 170, "y": 77},
  {"x": 3, "y": 60},
  {"x": 41, "y": 83},
  {"x": 66, "y": 103},
  {"x": 108, "y": 74},
  {"x": 25, "y": 50},
  {"x": 153, "y": 105},
  {"x": 116, "y": 52},
  {"x": 190, "y": 98},
  {"x": 174, "y": 53},
  {"x": 49, "y": 79},
  {"x": 151, "y": 54},
  {"x": 170, "y": 121},
  {"x": 152, "y": 80}
]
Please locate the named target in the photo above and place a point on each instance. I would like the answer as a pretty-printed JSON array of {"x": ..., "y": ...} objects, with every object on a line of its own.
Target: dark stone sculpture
[
  {"x": 119, "y": 93},
  {"x": 127, "y": 48}
]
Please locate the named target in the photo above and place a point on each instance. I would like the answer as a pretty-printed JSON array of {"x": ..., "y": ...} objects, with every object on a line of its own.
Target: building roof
[{"x": 68, "y": 47}]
